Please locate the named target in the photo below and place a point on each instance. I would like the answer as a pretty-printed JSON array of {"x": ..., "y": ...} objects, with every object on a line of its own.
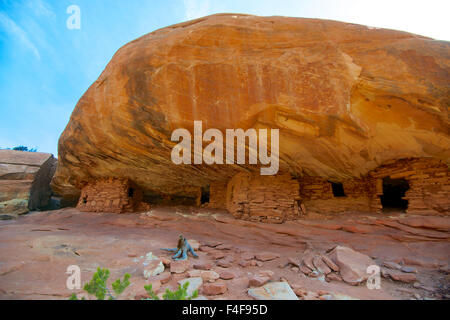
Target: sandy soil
[{"x": 37, "y": 248}]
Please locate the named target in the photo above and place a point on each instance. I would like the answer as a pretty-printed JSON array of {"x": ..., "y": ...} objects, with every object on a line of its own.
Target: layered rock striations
[
  {"x": 346, "y": 98},
  {"x": 25, "y": 180}
]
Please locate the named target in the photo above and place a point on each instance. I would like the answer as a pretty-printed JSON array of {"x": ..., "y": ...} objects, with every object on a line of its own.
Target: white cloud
[
  {"x": 18, "y": 33},
  {"x": 196, "y": 8}
]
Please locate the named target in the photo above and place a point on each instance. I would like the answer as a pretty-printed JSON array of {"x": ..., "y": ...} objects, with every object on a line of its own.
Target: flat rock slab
[
  {"x": 266, "y": 256},
  {"x": 212, "y": 289},
  {"x": 179, "y": 266},
  {"x": 273, "y": 291}
]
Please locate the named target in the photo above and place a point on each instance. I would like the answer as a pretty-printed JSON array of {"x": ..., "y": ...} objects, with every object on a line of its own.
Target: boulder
[
  {"x": 352, "y": 264},
  {"x": 25, "y": 181},
  {"x": 345, "y": 97}
]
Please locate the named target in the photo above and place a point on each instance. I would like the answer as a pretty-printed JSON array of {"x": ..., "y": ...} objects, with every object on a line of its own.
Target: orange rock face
[{"x": 346, "y": 99}]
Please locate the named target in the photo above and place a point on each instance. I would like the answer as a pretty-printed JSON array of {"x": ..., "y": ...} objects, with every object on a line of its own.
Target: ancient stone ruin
[
  {"x": 362, "y": 115},
  {"x": 25, "y": 181},
  {"x": 111, "y": 195}
]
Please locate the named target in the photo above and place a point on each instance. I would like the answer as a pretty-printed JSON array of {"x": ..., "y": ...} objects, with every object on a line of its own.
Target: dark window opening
[
  {"x": 393, "y": 192},
  {"x": 338, "y": 189},
  {"x": 205, "y": 196},
  {"x": 130, "y": 192},
  {"x": 85, "y": 199}
]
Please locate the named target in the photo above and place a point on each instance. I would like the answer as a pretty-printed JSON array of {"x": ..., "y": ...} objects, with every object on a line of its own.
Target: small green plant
[
  {"x": 98, "y": 287},
  {"x": 180, "y": 294}
]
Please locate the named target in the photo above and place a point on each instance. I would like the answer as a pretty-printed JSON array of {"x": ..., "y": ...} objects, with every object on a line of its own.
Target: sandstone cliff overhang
[
  {"x": 346, "y": 98},
  {"x": 25, "y": 180}
]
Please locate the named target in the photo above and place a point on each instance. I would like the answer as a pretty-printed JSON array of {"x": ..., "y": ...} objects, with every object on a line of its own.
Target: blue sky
[{"x": 45, "y": 67}]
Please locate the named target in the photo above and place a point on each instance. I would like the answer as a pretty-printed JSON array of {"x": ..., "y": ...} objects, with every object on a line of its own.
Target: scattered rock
[
  {"x": 226, "y": 275},
  {"x": 392, "y": 265},
  {"x": 224, "y": 263},
  {"x": 408, "y": 269},
  {"x": 194, "y": 273},
  {"x": 294, "y": 262},
  {"x": 215, "y": 254},
  {"x": 194, "y": 284},
  {"x": 163, "y": 277},
  {"x": 212, "y": 289},
  {"x": 314, "y": 274},
  {"x": 299, "y": 292},
  {"x": 266, "y": 273},
  {"x": 209, "y": 276},
  {"x": 305, "y": 269},
  {"x": 257, "y": 281},
  {"x": 166, "y": 262},
  {"x": 330, "y": 263},
  {"x": 307, "y": 259},
  {"x": 333, "y": 276},
  {"x": 179, "y": 266},
  {"x": 320, "y": 265},
  {"x": 245, "y": 263},
  {"x": 403, "y": 277},
  {"x": 203, "y": 266},
  {"x": 266, "y": 256},
  {"x": 352, "y": 264},
  {"x": 247, "y": 256},
  {"x": 422, "y": 262},
  {"x": 273, "y": 291}
]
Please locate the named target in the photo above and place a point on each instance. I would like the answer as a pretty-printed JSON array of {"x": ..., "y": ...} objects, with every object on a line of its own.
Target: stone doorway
[{"x": 393, "y": 195}]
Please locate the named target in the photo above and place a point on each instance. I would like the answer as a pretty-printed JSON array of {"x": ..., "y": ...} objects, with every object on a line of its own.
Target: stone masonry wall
[
  {"x": 428, "y": 193},
  {"x": 317, "y": 195},
  {"x": 429, "y": 183},
  {"x": 111, "y": 195},
  {"x": 263, "y": 198},
  {"x": 218, "y": 195}
]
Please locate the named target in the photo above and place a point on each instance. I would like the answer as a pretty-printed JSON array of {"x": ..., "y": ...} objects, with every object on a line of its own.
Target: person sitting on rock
[{"x": 182, "y": 249}]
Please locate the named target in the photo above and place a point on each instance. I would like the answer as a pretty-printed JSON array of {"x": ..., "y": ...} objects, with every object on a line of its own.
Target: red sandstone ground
[{"x": 36, "y": 249}]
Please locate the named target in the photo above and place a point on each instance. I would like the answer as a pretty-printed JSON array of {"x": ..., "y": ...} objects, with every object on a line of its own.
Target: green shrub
[
  {"x": 98, "y": 286},
  {"x": 180, "y": 294}
]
